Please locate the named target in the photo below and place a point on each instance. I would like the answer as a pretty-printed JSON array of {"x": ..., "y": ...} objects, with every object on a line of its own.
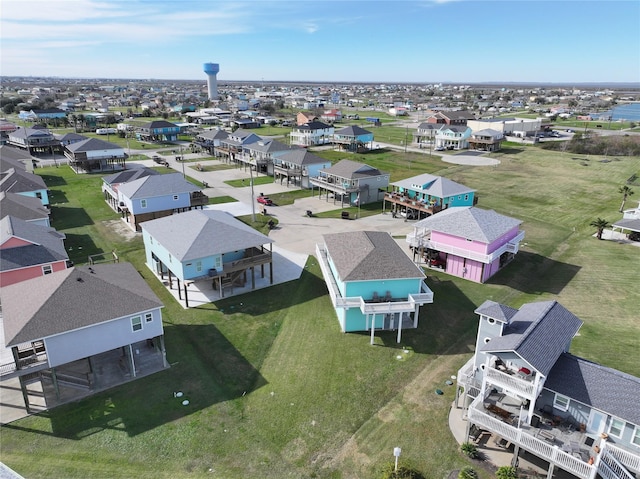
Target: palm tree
[
  {"x": 600, "y": 225},
  {"x": 626, "y": 192}
]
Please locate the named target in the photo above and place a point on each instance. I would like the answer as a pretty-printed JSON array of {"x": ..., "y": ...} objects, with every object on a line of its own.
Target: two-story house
[
  {"x": 93, "y": 154},
  {"x": 353, "y": 138},
  {"x": 82, "y": 330},
  {"x": 470, "y": 243},
  {"x": 311, "y": 134},
  {"x": 453, "y": 137},
  {"x": 205, "y": 245},
  {"x": 372, "y": 283},
  {"x": 353, "y": 182},
  {"x": 34, "y": 141},
  {"x": 209, "y": 140},
  {"x": 155, "y": 196},
  {"x": 232, "y": 147},
  {"x": 158, "y": 131},
  {"x": 111, "y": 183},
  {"x": 486, "y": 139},
  {"x": 523, "y": 386},
  {"x": 424, "y": 195},
  {"x": 262, "y": 154},
  {"x": 297, "y": 166}
]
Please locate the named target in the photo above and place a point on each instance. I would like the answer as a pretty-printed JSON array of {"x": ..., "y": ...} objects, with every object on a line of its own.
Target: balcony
[
  {"x": 197, "y": 198},
  {"x": 559, "y": 444},
  {"x": 334, "y": 184},
  {"x": 406, "y": 202},
  {"x": 505, "y": 380},
  {"x": 417, "y": 240}
]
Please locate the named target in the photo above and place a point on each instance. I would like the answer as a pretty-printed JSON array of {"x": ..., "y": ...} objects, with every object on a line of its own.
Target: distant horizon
[
  {"x": 339, "y": 82},
  {"x": 380, "y": 41}
]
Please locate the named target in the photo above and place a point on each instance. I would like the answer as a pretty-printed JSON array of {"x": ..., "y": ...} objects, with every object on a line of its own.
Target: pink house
[
  {"x": 470, "y": 243},
  {"x": 29, "y": 250}
]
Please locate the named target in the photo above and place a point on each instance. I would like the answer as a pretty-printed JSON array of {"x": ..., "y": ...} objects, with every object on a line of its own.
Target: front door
[{"x": 596, "y": 422}]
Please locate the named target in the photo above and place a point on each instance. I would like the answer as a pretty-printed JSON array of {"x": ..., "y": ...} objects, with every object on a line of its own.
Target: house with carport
[
  {"x": 206, "y": 246},
  {"x": 82, "y": 330},
  {"x": 353, "y": 182},
  {"x": 353, "y": 138},
  {"x": 92, "y": 154},
  {"x": 523, "y": 387},
  {"x": 111, "y": 183},
  {"x": 470, "y": 243},
  {"x": 424, "y": 195},
  {"x": 262, "y": 154},
  {"x": 372, "y": 283},
  {"x": 156, "y": 196},
  {"x": 158, "y": 131},
  {"x": 297, "y": 166}
]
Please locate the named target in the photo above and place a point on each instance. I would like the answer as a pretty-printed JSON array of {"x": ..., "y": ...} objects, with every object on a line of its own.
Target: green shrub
[
  {"x": 403, "y": 472},
  {"x": 467, "y": 473},
  {"x": 470, "y": 450},
  {"x": 507, "y": 472}
]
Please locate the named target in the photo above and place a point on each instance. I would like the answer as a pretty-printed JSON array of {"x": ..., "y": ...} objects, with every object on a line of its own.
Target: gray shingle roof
[
  {"x": 129, "y": 175},
  {"x": 72, "y": 299},
  {"x": 302, "y": 157},
  {"x": 628, "y": 224},
  {"x": 19, "y": 181},
  {"x": 470, "y": 223},
  {"x": 268, "y": 146},
  {"x": 26, "y": 208},
  {"x": 352, "y": 170},
  {"x": 312, "y": 125},
  {"x": 45, "y": 246},
  {"x": 157, "y": 185},
  {"x": 603, "y": 388},
  {"x": 11, "y": 153},
  {"x": 433, "y": 185},
  {"x": 369, "y": 255},
  {"x": 92, "y": 144},
  {"x": 539, "y": 332},
  {"x": 497, "y": 311},
  {"x": 156, "y": 124},
  {"x": 200, "y": 233},
  {"x": 214, "y": 134},
  {"x": 352, "y": 130}
]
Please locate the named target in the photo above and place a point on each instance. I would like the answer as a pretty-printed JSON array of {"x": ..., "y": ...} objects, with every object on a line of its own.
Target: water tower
[{"x": 212, "y": 69}]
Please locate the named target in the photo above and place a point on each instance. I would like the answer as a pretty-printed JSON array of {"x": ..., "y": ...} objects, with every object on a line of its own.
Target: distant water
[{"x": 629, "y": 112}]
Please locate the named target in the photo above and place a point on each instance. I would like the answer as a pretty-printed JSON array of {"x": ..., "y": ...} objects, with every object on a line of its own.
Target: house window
[
  {"x": 38, "y": 195},
  {"x": 47, "y": 269},
  {"x": 616, "y": 427},
  {"x": 198, "y": 266},
  {"x": 143, "y": 203},
  {"x": 175, "y": 197},
  {"x": 561, "y": 402},
  {"x": 635, "y": 438},
  {"x": 486, "y": 340},
  {"x": 218, "y": 262},
  {"x": 148, "y": 317},
  {"x": 466, "y": 197},
  {"x": 136, "y": 323},
  {"x": 491, "y": 320}
]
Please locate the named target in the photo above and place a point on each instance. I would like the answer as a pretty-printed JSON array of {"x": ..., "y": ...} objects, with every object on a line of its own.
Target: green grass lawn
[{"x": 277, "y": 391}]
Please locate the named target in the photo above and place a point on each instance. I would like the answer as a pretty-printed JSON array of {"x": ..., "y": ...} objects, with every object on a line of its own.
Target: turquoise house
[{"x": 373, "y": 284}]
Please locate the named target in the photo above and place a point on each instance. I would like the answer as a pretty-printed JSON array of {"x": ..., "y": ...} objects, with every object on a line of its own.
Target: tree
[
  {"x": 626, "y": 191},
  {"x": 600, "y": 225}
]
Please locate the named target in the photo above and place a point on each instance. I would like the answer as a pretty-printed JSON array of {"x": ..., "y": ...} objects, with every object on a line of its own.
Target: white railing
[
  {"x": 529, "y": 442},
  {"x": 628, "y": 458},
  {"x": 419, "y": 241},
  {"x": 512, "y": 383},
  {"x": 610, "y": 468}
]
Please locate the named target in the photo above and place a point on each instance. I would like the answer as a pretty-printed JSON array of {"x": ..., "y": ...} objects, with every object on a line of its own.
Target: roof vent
[{"x": 79, "y": 280}]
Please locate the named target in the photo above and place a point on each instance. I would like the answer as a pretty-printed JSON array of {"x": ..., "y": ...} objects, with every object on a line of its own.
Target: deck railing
[
  {"x": 627, "y": 458},
  {"x": 540, "y": 448},
  {"x": 512, "y": 383}
]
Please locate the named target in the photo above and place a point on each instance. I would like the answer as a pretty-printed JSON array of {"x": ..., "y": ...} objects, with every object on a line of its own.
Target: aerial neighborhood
[{"x": 394, "y": 250}]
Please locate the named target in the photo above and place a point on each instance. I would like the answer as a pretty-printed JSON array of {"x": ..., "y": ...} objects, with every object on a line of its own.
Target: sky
[{"x": 386, "y": 41}]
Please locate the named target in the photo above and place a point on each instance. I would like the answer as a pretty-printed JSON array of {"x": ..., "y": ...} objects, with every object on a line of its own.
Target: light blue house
[
  {"x": 424, "y": 195},
  {"x": 297, "y": 166},
  {"x": 15, "y": 180},
  {"x": 158, "y": 131},
  {"x": 372, "y": 283},
  {"x": 353, "y": 138},
  {"x": 156, "y": 196},
  {"x": 205, "y": 245}
]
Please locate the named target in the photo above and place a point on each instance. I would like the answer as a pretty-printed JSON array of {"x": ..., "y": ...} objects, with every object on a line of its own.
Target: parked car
[
  {"x": 265, "y": 200},
  {"x": 437, "y": 263},
  {"x": 440, "y": 148}
]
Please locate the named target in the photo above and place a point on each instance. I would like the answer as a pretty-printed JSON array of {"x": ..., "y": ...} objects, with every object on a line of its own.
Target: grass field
[{"x": 277, "y": 391}]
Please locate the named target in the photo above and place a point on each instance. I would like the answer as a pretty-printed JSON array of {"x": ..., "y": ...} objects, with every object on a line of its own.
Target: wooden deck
[{"x": 402, "y": 203}]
